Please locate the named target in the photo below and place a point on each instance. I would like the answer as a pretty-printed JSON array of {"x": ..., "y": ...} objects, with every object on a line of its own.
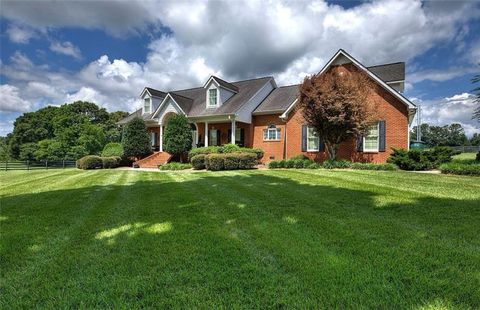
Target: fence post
[{"x": 6, "y": 165}]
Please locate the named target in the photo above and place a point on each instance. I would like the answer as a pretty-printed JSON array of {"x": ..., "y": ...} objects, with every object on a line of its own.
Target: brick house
[{"x": 258, "y": 113}]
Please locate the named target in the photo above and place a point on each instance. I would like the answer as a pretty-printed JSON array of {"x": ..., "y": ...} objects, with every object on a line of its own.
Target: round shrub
[
  {"x": 298, "y": 163},
  {"x": 273, "y": 164},
  {"x": 313, "y": 165},
  {"x": 282, "y": 163},
  {"x": 203, "y": 150},
  {"x": 198, "y": 162},
  {"x": 111, "y": 162},
  {"x": 90, "y": 162},
  {"x": 229, "y": 148},
  {"x": 112, "y": 149},
  {"x": 215, "y": 162}
]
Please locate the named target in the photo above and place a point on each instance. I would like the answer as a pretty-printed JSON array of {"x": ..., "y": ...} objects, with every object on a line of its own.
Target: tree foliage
[
  {"x": 135, "y": 141},
  {"x": 336, "y": 104},
  {"x": 448, "y": 135},
  {"x": 66, "y": 132},
  {"x": 177, "y": 136}
]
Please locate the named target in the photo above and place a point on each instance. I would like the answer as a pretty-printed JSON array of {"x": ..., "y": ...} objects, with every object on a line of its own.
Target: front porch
[{"x": 208, "y": 133}]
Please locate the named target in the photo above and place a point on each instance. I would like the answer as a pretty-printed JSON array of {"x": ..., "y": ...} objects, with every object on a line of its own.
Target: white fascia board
[
  {"x": 163, "y": 102},
  {"x": 290, "y": 107}
]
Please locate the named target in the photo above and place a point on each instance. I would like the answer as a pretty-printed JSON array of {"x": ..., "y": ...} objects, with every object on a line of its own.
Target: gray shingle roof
[
  {"x": 278, "y": 100},
  {"x": 156, "y": 93},
  {"x": 389, "y": 72},
  {"x": 137, "y": 113},
  {"x": 225, "y": 83},
  {"x": 246, "y": 90}
]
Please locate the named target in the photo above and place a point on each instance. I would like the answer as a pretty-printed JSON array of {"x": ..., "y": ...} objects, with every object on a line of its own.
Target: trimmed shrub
[
  {"x": 461, "y": 168},
  {"x": 371, "y": 166},
  {"x": 336, "y": 164},
  {"x": 314, "y": 165},
  {"x": 135, "y": 139},
  {"x": 247, "y": 160},
  {"x": 110, "y": 162},
  {"x": 203, "y": 150},
  {"x": 273, "y": 164},
  {"x": 112, "y": 149},
  {"x": 177, "y": 138},
  {"x": 198, "y": 162},
  {"x": 175, "y": 166},
  {"x": 215, "y": 162},
  {"x": 231, "y": 161},
  {"x": 258, "y": 152},
  {"x": 229, "y": 148},
  {"x": 90, "y": 162}
]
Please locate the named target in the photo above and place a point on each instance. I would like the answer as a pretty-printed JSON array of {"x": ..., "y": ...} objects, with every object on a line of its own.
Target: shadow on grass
[{"x": 236, "y": 240}]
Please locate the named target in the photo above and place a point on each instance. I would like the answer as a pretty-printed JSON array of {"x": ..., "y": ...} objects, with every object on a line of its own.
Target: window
[
  {"x": 313, "y": 142},
  {"x": 371, "y": 140},
  {"x": 272, "y": 133},
  {"x": 212, "y": 97},
  {"x": 146, "y": 105},
  {"x": 213, "y": 137}
]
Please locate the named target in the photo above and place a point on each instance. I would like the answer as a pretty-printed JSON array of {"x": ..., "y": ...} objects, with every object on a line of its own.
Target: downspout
[{"x": 285, "y": 139}]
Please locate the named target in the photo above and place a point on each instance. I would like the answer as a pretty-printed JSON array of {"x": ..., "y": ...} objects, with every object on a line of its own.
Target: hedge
[
  {"x": 90, "y": 162},
  {"x": 111, "y": 162},
  {"x": 370, "y": 166},
  {"x": 461, "y": 168},
  {"x": 225, "y": 149},
  {"x": 215, "y": 162},
  {"x": 300, "y": 162},
  {"x": 198, "y": 162},
  {"x": 421, "y": 159},
  {"x": 175, "y": 166}
]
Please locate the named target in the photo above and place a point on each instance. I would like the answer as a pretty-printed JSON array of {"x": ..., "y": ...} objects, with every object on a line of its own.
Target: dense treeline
[
  {"x": 448, "y": 135},
  {"x": 66, "y": 132}
]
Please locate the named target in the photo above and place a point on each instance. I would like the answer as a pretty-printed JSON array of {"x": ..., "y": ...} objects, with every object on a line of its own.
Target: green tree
[
  {"x": 92, "y": 139},
  {"x": 4, "y": 151},
  {"x": 448, "y": 135},
  {"x": 27, "y": 151},
  {"x": 135, "y": 140},
  {"x": 177, "y": 138},
  {"x": 475, "y": 140}
]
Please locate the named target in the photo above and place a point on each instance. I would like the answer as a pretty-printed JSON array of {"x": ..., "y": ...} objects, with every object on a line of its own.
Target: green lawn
[{"x": 255, "y": 239}]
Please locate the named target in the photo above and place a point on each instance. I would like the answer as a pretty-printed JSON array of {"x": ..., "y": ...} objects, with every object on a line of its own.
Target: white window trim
[
  {"x": 278, "y": 133},
  {"x": 150, "y": 105},
  {"x": 376, "y": 150},
  {"x": 217, "y": 104},
  {"x": 318, "y": 142}
]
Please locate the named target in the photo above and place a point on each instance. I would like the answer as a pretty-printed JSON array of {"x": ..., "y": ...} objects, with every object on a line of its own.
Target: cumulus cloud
[
  {"x": 11, "y": 101},
  {"x": 441, "y": 75},
  {"x": 65, "y": 48},
  {"x": 455, "y": 109}
]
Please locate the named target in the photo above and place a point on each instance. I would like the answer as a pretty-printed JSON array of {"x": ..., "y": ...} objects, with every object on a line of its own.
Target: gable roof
[
  {"x": 222, "y": 83},
  {"x": 156, "y": 93},
  {"x": 131, "y": 116},
  {"x": 279, "y": 100},
  {"x": 389, "y": 72}
]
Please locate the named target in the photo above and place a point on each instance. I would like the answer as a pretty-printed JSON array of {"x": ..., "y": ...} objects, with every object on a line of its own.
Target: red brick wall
[{"x": 394, "y": 112}]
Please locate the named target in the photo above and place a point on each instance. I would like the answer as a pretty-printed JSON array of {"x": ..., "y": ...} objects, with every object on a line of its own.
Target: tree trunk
[{"x": 331, "y": 150}]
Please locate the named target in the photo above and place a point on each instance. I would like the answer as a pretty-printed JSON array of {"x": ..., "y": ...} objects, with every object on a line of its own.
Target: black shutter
[
  {"x": 229, "y": 138},
  {"x": 360, "y": 144},
  {"x": 219, "y": 137},
  {"x": 381, "y": 137},
  {"x": 242, "y": 137},
  {"x": 304, "y": 138},
  {"x": 321, "y": 145}
]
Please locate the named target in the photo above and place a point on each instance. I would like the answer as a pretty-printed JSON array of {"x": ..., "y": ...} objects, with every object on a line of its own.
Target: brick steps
[{"x": 152, "y": 161}]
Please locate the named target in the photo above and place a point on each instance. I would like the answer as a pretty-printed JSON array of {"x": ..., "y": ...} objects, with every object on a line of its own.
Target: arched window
[{"x": 271, "y": 133}]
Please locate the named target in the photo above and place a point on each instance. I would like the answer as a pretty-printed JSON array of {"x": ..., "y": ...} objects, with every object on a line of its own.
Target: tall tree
[
  {"x": 177, "y": 136},
  {"x": 135, "y": 140},
  {"x": 336, "y": 104}
]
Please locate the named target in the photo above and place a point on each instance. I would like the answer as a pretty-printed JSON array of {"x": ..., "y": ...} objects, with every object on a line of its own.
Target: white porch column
[
  {"x": 161, "y": 138},
  {"x": 232, "y": 138},
  {"x": 206, "y": 133}
]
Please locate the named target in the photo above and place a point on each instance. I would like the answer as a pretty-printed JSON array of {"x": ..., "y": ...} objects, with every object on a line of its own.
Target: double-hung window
[
  {"x": 371, "y": 140},
  {"x": 213, "y": 137},
  {"x": 146, "y": 105},
  {"x": 313, "y": 141},
  {"x": 272, "y": 133},
  {"x": 212, "y": 97}
]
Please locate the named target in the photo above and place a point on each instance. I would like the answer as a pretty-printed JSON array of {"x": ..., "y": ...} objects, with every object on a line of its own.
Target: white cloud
[
  {"x": 455, "y": 109},
  {"x": 11, "y": 101},
  {"x": 19, "y": 34},
  {"x": 440, "y": 75},
  {"x": 65, "y": 48}
]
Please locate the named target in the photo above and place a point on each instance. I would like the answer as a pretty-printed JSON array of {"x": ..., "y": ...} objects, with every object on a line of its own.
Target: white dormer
[
  {"x": 150, "y": 99},
  {"x": 218, "y": 91}
]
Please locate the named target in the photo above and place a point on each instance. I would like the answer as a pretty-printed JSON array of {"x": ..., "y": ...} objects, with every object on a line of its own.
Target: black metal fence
[{"x": 35, "y": 165}]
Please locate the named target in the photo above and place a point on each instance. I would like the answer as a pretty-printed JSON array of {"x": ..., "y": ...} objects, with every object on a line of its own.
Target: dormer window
[
  {"x": 212, "y": 97},
  {"x": 147, "y": 105}
]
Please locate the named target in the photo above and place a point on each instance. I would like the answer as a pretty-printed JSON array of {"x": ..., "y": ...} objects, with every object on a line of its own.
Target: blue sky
[{"x": 107, "y": 51}]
